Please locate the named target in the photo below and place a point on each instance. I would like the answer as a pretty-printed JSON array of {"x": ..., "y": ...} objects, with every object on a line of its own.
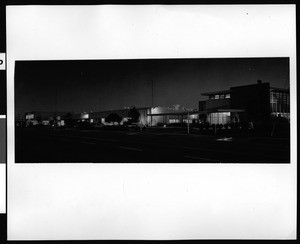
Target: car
[
  {"x": 137, "y": 126},
  {"x": 83, "y": 125}
]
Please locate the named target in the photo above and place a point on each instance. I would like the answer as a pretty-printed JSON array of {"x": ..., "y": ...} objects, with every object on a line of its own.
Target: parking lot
[{"x": 154, "y": 145}]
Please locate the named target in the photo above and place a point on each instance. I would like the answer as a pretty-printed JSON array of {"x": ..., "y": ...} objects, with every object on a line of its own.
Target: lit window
[
  {"x": 29, "y": 116},
  {"x": 187, "y": 121},
  {"x": 227, "y": 95},
  {"x": 217, "y": 96},
  {"x": 219, "y": 118},
  {"x": 171, "y": 121},
  {"x": 284, "y": 96},
  {"x": 272, "y": 97}
]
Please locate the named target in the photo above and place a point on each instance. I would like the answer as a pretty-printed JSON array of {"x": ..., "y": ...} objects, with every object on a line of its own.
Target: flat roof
[
  {"x": 221, "y": 110},
  {"x": 175, "y": 113},
  {"x": 279, "y": 89},
  {"x": 216, "y": 92},
  {"x": 232, "y": 88},
  {"x": 121, "y": 112}
]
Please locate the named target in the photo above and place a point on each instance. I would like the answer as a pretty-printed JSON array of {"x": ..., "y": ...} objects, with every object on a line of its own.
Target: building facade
[
  {"x": 150, "y": 116},
  {"x": 172, "y": 115},
  {"x": 254, "y": 105},
  {"x": 249, "y": 104},
  {"x": 100, "y": 116},
  {"x": 147, "y": 116},
  {"x": 43, "y": 118}
]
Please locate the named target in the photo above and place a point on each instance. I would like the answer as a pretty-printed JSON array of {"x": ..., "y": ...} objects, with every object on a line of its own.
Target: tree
[
  {"x": 39, "y": 119},
  {"x": 203, "y": 118},
  {"x": 113, "y": 117},
  {"x": 68, "y": 119},
  {"x": 134, "y": 115}
]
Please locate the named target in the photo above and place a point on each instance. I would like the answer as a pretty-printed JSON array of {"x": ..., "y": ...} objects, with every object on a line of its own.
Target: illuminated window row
[
  {"x": 279, "y": 97},
  {"x": 219, "y": 96},
  {"x": 219, "y": 118},
  {"x": 280, "y": 107}
]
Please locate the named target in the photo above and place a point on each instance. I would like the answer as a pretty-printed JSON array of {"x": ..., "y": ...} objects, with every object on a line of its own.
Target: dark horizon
[{"x": 96, "y": 85}]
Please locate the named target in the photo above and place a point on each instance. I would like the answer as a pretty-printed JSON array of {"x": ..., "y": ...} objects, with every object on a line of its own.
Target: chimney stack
[{"x": 259, "y": 81}]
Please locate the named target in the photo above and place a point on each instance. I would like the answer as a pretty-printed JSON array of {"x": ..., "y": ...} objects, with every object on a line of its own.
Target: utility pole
[
  {"x": 55, "y": 118},
  {"x": 151, "y": 99},
  {"x": 188, "y": 123},
  {"x": 152, "y": 92}
]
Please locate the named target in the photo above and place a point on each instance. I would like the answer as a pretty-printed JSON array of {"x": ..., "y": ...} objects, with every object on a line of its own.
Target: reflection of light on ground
[{"x": 225, "y": 139}]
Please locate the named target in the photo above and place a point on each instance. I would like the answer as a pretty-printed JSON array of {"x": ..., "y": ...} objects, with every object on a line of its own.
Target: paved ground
[{"x": 48, "y": 145}]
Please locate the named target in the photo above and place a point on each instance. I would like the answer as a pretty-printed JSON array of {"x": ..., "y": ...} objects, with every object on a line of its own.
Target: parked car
[
  {"x": 136, "y": 127},
  {"x": 83, "y": 125}
]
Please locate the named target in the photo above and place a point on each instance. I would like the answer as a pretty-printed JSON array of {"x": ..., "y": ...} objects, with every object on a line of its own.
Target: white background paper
[
  {"x": 150, "y": 201},
  {"x": 2, "y": 188}
]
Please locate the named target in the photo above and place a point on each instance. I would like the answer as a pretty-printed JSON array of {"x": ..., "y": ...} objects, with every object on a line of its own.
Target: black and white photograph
[
  {"x": 151, "y": 122},
  {"x": 153, "y": 110}
]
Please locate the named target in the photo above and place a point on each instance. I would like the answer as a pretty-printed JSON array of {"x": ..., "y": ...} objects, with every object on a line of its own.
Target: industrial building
[
  {"x": 148, "y": 116},
  {"x": 250, "y": 104},
  {"x": 42, "y": 118}
]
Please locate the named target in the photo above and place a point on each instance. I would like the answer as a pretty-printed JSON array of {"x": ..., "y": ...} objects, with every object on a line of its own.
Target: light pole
[
  {"x": 151, "y": 100},
  {"x": 188, "y": 123},
  {"x": 55, "y": 114}
]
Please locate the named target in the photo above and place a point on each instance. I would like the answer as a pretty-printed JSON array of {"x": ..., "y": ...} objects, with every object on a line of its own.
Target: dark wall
[
  {"x": 213, "y": 104},
  {"x": 255, "y": 99}
]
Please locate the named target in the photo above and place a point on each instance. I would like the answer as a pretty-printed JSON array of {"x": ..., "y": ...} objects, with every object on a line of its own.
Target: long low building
[
  {"x": 172, "y": 115},
  {"x": 42, "y": 117},
  {"x": 151, "y": 116},
  {"x": 147, "y": 116},
  {"x": 249, "y": 104},
  {"x": 99, "y": 117}
]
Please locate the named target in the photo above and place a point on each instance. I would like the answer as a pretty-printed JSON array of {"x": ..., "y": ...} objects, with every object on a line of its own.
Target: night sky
[{"x": 95, "y": 85}]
